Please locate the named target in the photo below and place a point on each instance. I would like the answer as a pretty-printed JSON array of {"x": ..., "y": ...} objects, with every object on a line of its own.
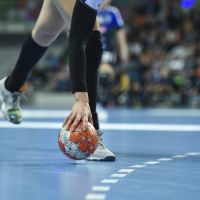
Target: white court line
[
  {"x": 173, "y": 112},
  {"x": 51, "y": 114},
  {"x": 179, "y": 156},
  {"x": 109, "y": 126},
  {"x": 118, "y": 175},
  {"x": 45, "y": 113},
  {"x": 110, "y": 181},
  {"x": 101, "y": 188},
  {"x": 126, "y": 170},
  {"x": 94, "y": 196},
  {"x": 165, "y": 159},
  {"x": 31, "y": 125},
  {"x": 151, "y": 163},
  {"x": 138, "y": 166},
  {"x": 151, "y": 127},
  {"x": 193, "y": 154}
]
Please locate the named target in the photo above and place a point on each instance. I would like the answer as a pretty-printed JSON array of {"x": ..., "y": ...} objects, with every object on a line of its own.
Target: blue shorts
[{"x": 94, "y": 4}]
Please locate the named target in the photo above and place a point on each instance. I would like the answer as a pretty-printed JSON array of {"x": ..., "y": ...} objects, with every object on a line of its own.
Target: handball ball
[{"x": 78, "y": 144}]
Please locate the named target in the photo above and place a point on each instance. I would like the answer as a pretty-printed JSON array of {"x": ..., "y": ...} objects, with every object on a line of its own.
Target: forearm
[{"x": 122, "y": 45}]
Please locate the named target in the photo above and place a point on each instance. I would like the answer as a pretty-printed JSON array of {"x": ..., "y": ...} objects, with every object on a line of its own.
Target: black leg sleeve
[
  {"x": 30, "y": 54},
  {"x": 93, "y": 58},
  {"x": 83, "y": 20}
]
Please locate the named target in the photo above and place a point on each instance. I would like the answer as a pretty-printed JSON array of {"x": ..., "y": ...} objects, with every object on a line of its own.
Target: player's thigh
[
  {"x": 66, "y": 8},
  {"x": 49, "y": 23}
]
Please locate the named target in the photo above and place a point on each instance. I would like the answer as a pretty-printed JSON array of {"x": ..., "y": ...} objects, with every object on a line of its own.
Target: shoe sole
[
  {"x": 107, "y": 159},
  {"x": 13, "y": 122}
]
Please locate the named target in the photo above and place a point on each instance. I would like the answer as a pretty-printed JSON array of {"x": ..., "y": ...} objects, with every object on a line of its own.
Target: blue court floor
[{"x": 158, "y": 158}]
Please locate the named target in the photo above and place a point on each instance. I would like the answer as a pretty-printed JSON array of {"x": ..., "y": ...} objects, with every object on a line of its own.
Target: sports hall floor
[{"x": 158, "y": 158}]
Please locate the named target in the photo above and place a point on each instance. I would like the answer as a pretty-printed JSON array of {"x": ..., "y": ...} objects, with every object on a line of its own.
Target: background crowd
[{"x": 163, "y": 68}]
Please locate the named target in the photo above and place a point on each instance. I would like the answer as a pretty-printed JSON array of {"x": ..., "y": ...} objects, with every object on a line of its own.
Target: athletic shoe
[
  {"x": 101, "y": 153},
  {"x": 10, "y": 104}
]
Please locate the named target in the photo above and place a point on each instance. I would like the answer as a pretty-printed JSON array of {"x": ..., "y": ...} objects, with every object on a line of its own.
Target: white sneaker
[
  {"x": 10, "y": 104},
  {"x": 101, "y": 153}
]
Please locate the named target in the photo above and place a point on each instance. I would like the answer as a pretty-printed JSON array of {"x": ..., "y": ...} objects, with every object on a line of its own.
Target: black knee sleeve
[
  {"x": 30, "y": 54},
  {"x": 93, "y": 52},
  {"x": 93, "y": 58},
  {"x": 83, "y": 20}
]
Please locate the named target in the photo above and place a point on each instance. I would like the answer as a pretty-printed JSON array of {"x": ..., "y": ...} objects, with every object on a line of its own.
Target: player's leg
[
  {"x": 93, "y": 58},
  {"x": 48, "y": 26}
]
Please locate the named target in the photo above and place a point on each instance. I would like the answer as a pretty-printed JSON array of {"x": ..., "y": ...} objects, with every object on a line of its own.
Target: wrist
[{"x": 81, "y": 96}]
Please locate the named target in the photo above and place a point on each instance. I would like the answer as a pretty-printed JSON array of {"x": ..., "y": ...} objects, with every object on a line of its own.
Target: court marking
[
  {"x": 138, "y": 166},
  {"x": 193, "y": 154},
  {"x": 173, "y": 112},
  {"x": 151, "y": 163},
  {"x": 180, "y": 156},
  {"x": 92, "y": 196},
  {"x": 126, "y": 172},
  {"x": 52, "y": 114},
  {"x": 165, "y": 159},
  {"x": 118, "y": 175},
  {"x": 109, "y": 126},
  {"x": 101, "y": 188},
  {"x": 112, "y": 181}
]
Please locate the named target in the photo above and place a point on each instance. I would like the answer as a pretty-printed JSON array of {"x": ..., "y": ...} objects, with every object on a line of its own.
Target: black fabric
[
  {"x": 30, "y": 54},
  {"x": 83, "y": 20},
  {"x": 95, "y": 119},
  {"x": 93, "y": 52}
]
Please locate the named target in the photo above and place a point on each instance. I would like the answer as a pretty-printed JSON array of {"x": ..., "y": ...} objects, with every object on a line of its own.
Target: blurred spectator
[
  {"x": 163, "y": 46},
  {"x": 115, "y": 50},
  {"x": 195, "y": 85}
]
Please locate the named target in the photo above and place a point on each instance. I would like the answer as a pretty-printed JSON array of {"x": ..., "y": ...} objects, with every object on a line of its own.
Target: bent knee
[{"x": 45, "y": 37}]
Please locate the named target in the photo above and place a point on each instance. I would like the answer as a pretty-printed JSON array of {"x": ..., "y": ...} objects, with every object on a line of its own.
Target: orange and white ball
[{"x": 78, "y": 144}]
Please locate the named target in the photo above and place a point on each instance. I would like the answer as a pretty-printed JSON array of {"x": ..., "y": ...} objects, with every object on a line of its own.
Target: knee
[{"x": 43, "y": 36}]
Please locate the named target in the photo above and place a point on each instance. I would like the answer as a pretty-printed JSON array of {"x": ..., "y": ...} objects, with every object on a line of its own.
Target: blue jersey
[{"x": 110, "y": 21}]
